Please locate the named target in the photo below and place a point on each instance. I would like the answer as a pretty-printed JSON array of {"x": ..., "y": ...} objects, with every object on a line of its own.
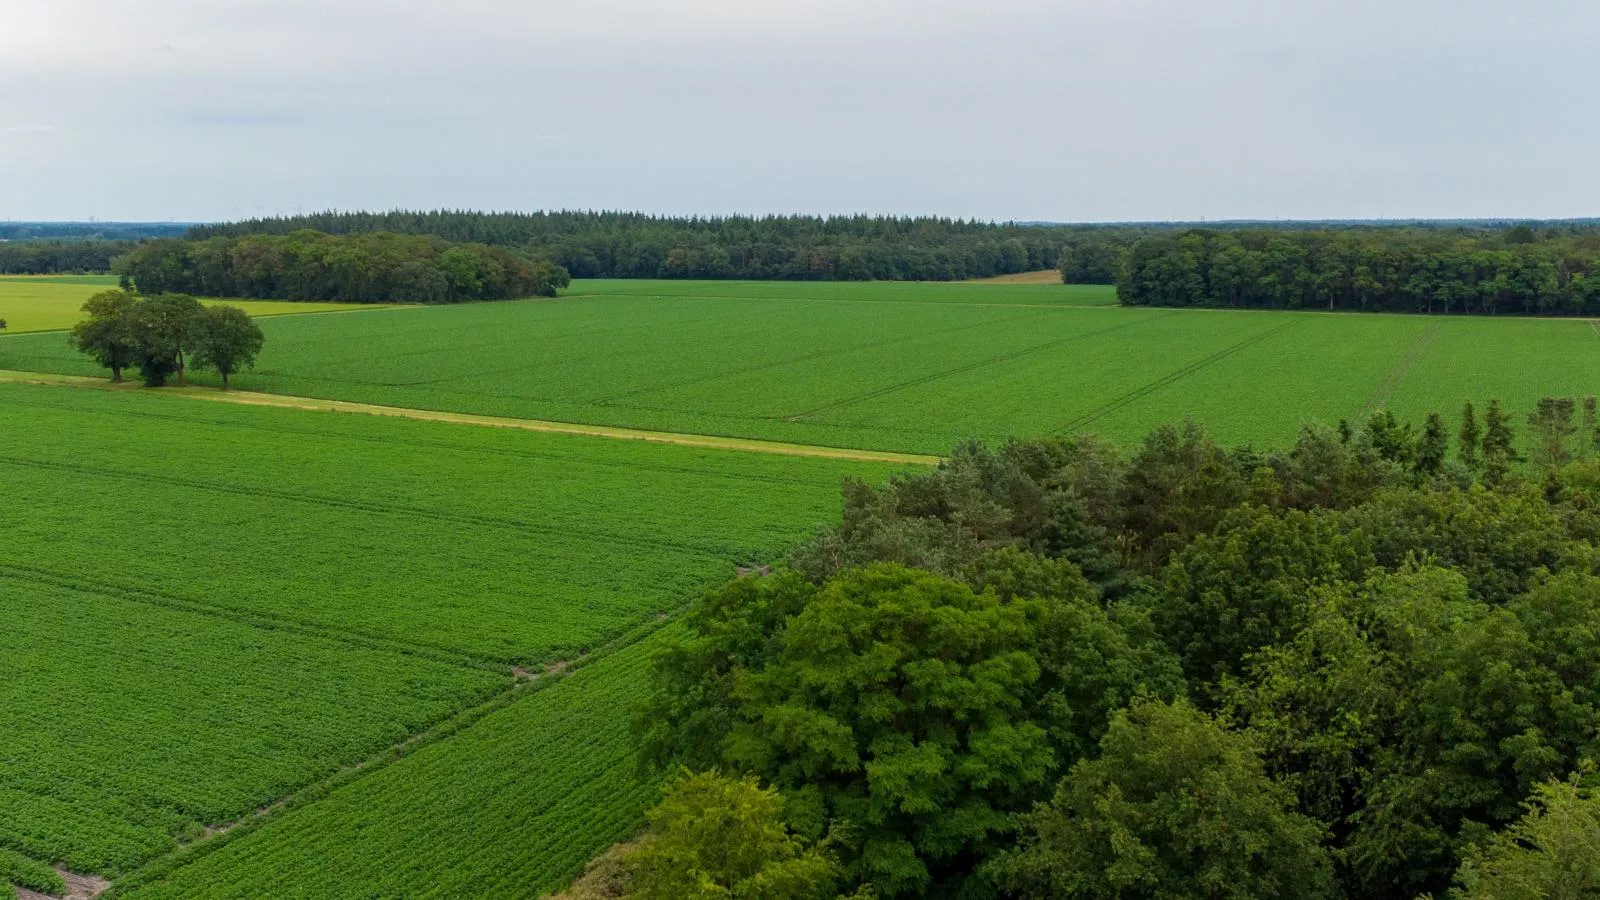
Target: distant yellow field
[
  {"x": 50, "y": 304},
  {"x": 1043, "y": 276}
]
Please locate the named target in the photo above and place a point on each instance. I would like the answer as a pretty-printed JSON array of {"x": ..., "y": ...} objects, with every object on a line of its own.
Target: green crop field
[
  {"x": 897, "y": 366},
  {"x": 511, "y": 807},
  {"x": 54, "y": 302},
  {"x": 228, "y": 615},
  {"x": 210, "y": 607}
]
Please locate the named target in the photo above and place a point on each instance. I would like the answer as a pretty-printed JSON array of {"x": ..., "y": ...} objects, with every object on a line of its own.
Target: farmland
[
  {"x": 211, "y": 607},
  {"x": 897, "y": 366},
  {"x": 258, "y": 646},
  {"x": 51, "y": 303}
]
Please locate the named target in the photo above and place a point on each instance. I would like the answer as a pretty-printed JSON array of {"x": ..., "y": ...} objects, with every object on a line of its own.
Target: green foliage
[
  {"x": 225, "y": 340},
  {"x": 1499, "y": 444},
  {"x": 714, "y": 836},
  {"x": 109, "y": 335},
  {"x": 1551, "y": 853},
  {"x": 1399, "y": 270},
  {"x": 1243, "y": 587},
  {"x": 1173, "y": 806},
  {"x": 511, "y": 805},
  {"x": 165, "y": 328},
  {"x": 24, "y": 872},
  {"x": 303, "y": 589},
  {"x": 969, "y": 360}
]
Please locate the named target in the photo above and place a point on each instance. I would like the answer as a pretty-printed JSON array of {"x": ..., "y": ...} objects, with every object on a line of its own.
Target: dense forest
[
  {"x": 361, "y": 268},
  {"x": 54, "y": 257},
  {"x": 634, "y": 245},
  {"x": 1367, "y": 665},
  {"x": 1520, "y": 270}
]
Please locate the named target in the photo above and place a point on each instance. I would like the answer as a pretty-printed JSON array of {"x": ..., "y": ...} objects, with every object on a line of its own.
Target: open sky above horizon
[{"x": 1074, "y": 110}]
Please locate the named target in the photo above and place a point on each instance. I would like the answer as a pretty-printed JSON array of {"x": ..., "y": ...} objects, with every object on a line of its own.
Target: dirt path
[{"x": 707, "y": 441}]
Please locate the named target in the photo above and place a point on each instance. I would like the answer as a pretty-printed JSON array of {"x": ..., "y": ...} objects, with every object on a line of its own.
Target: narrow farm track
[
  {"x": 1402, "y": 366},
  {"x": 1143, "y": 391},
  {"x": 959, "y": 370},
  {"x": 282, "y": 401}
]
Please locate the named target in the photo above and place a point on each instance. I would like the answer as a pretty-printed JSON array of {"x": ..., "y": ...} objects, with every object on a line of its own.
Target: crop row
[
  {"x": 128, "y": 727},
  {"x": 510, "y": 807},
  {"x": 509, "y": 546}
]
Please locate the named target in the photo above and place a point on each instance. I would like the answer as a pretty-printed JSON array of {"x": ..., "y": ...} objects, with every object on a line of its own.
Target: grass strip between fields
[{"x": 707, "y": 441}]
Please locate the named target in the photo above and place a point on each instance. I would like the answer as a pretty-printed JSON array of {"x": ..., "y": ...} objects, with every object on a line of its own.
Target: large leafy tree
[
  {"x": 910, "y": 710},
  {"x": 715, "y": 837},
  {"x": 109, "y": 335},
  {"x": 1551, "y": 853},
  {"x": 1174, "y": 806},
  {"x": 225, "y": 339},
  {"x": 165, "y": 328}
]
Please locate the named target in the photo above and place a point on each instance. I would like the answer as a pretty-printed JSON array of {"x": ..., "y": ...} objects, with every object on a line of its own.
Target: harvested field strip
[
  {"x": 969, "y": 367},
  {"x": 509, "y": 807},
  {"x": 1170, "y": 378},
  {"x": 1397, "y": 375}
]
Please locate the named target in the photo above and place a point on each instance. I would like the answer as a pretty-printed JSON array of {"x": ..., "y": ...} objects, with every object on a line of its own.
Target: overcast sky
[{"x": 1067, "y": 110}]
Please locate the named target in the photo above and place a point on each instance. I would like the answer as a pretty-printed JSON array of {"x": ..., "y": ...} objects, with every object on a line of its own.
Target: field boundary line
[
  {"x": 1143, "y": 391},
  {"x": 313, "y": 404},
  {"x": 553, "y": 673},
  {"x": 263, "y": 621},
  {"x": 601, "y": 535},
  {"x": 969, "y": 367},
  {"x": 1401, "y": 368}
]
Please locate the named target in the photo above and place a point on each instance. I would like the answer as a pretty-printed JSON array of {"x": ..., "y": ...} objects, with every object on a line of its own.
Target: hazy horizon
[{"x": 1094, "y": 111}]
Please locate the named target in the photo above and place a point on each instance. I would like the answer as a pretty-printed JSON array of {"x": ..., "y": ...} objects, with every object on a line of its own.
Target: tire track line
[
  {"x": 969, "y": 367},
  {"x": 1143, "y": 391},
  {"x": 1401, "y": 368},
  {"x": 810, "y": 357},
  {"x": 262, "y": 620}
]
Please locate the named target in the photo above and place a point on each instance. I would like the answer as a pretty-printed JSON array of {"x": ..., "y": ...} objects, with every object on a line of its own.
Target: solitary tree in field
[
  {"x": 108, "y": 335},
  {"x": 226, "y": 340}
]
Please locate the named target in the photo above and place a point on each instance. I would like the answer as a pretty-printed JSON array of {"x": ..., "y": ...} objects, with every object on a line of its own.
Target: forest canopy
[
  {"x": 635, "y": 245},
  {"x": 365, "y": 268},
  {"x": 1365, "y": 665},
  {"x": 1520, "y": 270}
]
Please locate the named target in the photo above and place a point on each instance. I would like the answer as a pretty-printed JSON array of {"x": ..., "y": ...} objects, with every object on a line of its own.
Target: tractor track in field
[
  {"x": 810, "y": 357},
  {"x": 313, "y": 404},
  {"x": 1146, "y": 390},
  {"x": 969, "y": 367},
  {"x": 264, "y": 621},
  {"x": 599, "y": 535},
  {"x": 1401, "y": 368}
]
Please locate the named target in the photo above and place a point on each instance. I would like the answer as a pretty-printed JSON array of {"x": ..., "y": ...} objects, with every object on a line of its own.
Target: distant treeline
[
  {"x": 634, "y": 245},
  {"x": 358, "y": 268},
  {"x": 60, "y": 257},
  {"x": 83, "y": 231},
  {"x": 1521, "y": 270}
]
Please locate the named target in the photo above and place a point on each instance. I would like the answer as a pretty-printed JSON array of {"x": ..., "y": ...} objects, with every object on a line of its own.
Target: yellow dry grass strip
[{"x": 281, "y": 401}]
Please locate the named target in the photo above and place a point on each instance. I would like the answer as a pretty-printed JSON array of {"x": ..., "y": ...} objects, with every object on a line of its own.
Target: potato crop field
[
  {"x": 210, "y": 608},
  {"x": 897, "y": 366}
]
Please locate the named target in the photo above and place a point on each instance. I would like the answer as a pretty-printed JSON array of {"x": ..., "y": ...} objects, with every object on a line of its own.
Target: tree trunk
[
  {"x": 116, "y": 374},
  {"x": 181, "y": 382},
  {"x": 224, "y": 379}
]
